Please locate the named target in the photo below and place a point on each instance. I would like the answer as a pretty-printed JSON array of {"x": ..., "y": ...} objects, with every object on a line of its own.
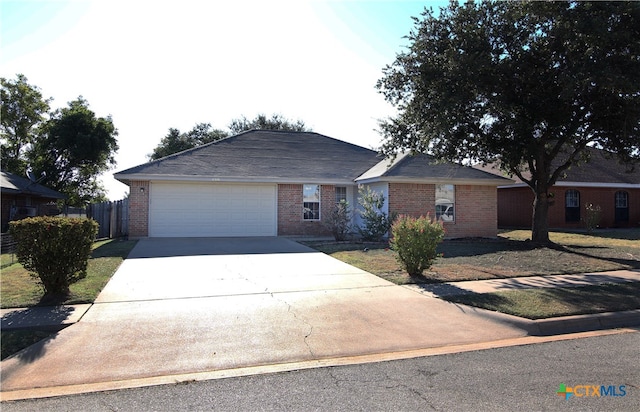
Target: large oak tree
[{"x": 528, "y": 85}]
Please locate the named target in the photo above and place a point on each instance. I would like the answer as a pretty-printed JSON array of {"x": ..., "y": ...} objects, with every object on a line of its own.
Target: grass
[
  {"x": 511, "y": 255},
  {"x": 547, "y": 303},
  {"x": 15, "y": 340},
  {"x": 19, "y": 289}
]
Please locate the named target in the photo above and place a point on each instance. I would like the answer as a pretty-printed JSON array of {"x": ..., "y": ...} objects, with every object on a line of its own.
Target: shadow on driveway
[{"x": 169, "y": 247}]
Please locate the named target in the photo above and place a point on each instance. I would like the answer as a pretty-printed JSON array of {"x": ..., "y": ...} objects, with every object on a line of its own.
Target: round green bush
[
  {"x": 54, "y": 249},
  {"x": 415, "y": 240}
]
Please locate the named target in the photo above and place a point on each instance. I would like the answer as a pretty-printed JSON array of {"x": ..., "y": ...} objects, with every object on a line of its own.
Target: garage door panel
[{"x": 212, "y": 210}]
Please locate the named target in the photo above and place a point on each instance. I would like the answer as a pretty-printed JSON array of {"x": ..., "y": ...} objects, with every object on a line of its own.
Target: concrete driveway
[{"x": 180, "y": 306}]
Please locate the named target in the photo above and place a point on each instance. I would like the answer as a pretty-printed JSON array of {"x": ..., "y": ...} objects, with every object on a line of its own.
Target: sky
[{"x": 154, "y": 65}]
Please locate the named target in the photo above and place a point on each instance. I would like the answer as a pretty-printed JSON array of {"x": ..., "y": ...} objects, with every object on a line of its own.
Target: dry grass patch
[
  {"x": 511, "y": 255},
  {"x": 547, "y": 303}
]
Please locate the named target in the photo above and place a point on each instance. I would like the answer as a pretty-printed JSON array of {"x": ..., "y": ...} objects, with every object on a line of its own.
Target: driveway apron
[{"x": 179, "y": 306}]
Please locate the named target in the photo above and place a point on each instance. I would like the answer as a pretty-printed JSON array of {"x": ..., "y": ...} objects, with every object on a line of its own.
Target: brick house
[
  {"x": 277, "y": 183},
  {"x": 23, "y": 198},
  {"x": 602, "y": 182}
]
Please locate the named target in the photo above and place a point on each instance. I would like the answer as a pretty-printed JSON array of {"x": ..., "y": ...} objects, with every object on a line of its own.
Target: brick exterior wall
[
  {"x": 515, "y": 207},
  {"x": 290, "y": 216},
  {"x": 475, "y": 208},
  {"x": 138, "y": 209}
]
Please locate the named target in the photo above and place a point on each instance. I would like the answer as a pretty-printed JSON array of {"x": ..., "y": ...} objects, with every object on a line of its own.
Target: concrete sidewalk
[
  {"x": 58, "y": 317},
  {"x": 173, "y": 315},
  {"x": 527, "y": 282}
]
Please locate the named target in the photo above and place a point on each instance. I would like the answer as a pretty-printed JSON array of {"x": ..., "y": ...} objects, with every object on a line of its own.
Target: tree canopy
[
  {"x": 202, "y": 133},
  {"x": 521, "y": 84},
  {"x": 23, "y": 110},
  {"x": 262, "y": 122},
  {"x": 69, "y": 147},
  {"x": 175, "y": 141}
]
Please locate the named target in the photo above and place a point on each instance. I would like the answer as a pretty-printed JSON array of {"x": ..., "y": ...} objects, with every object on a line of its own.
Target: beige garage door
[{"x": 211, "y": 210}]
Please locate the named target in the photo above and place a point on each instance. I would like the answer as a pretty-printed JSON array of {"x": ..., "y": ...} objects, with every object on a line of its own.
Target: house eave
[
  {"x": 581, "y": 184},
  {"x": 126, "y": 179},
  {"x": 430, "y": 180}
]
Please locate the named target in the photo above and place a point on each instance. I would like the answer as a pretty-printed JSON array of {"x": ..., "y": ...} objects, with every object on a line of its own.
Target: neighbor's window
[
  {"x": 572, "y": 206},
  {"x": 311, "y": 202},
  {"x": 622, "y": 206},
  {"x": 445, "y": 203},
  {"x": 341, "y": 194}
]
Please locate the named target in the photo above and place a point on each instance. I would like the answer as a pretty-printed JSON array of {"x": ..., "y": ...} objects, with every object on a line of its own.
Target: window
[
  {"x": 311, "y": 202},
  {"x": 445, "y": 203},
  {"x": 572, "y": 206},
  {"x": 341, "y": 194},
  {"x": 622, "y": 206}
]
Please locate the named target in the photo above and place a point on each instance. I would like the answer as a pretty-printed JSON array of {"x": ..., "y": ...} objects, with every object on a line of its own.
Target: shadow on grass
[
  {"x": 478, "y": 247},
  {"x": 32, "y": 343},
  {"x": 438, "y": 288},
  {"x": 576, "y": 250},
  {"x": 114, "y": 248}
]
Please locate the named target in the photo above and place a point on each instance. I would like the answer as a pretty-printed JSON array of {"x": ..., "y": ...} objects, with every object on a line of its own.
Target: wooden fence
[{"x": 113, "y": 218}]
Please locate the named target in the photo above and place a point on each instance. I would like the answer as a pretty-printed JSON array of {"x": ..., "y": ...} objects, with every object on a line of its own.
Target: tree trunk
[{"x": 540, "y": 225}]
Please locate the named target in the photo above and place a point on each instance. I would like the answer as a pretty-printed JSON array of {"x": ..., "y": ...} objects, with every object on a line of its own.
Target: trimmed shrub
[
  {"x": 415, "y": 240},
  {"x": 54, "y": 249},
  {"x": 338, "y": 220}
]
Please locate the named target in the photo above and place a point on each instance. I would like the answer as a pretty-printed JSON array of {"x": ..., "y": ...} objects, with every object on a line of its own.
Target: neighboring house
[
  {"x": 23, "y": 198},
  {"x": 602, "y": 182},
  {"x": 277, "y": 183}
]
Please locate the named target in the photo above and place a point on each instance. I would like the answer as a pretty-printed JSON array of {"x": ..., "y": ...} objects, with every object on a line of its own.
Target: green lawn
[{"x": 19, "y": 289}]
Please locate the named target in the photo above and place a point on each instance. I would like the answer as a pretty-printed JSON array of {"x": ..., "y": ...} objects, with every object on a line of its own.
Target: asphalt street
[{"x": 504, "y": 379}]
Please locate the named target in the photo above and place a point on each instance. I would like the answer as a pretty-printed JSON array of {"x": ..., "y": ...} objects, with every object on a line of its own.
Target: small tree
[
  {"x": 375, "y": 222},
  {"x": 54, "y": 249},
  {"x": 415, "y": 240},
  {"x": 338, "y": 220},
  {"x": 592, "y": 218}
]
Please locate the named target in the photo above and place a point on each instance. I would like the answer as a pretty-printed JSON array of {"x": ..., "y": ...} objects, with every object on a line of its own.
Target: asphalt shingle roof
[
  {"x": 13, "y": 184},
  {"x": 421, "y": 166},
  {"x": 265, "y": 154},
  {"x": 282, "y": 156},
  {"x": 602, "y": 168}
]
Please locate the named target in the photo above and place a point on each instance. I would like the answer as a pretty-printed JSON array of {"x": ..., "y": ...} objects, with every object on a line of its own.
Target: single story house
[
  {"x": 22, "y": 198},
  {"x": 281, "y": 183},
  {"x": 602, "y": 182}
]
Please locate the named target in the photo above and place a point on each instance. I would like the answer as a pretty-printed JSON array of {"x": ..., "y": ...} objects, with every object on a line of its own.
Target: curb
[
  {"x": 55, "y": 391},
  {"x": 565, "y": 324}
]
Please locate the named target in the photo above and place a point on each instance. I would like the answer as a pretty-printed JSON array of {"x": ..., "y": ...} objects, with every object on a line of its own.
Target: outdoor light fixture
[{"x": 142, "y": 190}]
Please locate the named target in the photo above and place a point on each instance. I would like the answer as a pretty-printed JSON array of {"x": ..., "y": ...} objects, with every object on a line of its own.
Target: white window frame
[
  {"x": 449, "y": 207},
  {"x": 310, "y": 197}
]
